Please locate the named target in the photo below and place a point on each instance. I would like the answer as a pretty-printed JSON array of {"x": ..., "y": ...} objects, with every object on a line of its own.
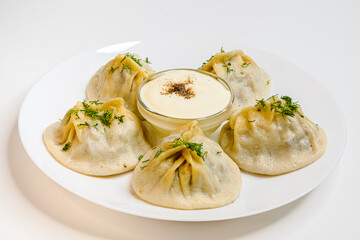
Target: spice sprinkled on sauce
[
  {"x": 181, "y": 89},
  {"x": 185, "y": 94}
]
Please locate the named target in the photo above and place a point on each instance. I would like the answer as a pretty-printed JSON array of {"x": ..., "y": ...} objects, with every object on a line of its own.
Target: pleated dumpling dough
[
  {"x": 247, "y": 79},
  {"x": 273, "y": 137},
  {"x": 97, "y": 138},
  {"x": 187, "y": 171},
  {"x": 120, "y": 77}
]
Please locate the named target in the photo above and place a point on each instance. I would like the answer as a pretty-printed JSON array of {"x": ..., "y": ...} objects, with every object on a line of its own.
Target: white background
[{"x": 322, "y": 37}]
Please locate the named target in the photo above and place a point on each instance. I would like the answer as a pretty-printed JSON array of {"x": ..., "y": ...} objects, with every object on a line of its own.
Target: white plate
[{"x": 60, "y": 88}]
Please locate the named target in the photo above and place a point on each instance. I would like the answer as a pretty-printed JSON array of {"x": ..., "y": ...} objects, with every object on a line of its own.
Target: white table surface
[{"x": 322, "y": 37}]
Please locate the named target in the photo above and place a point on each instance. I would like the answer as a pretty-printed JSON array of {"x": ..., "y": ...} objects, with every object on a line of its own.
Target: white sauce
[{"x": 209, "y": 95}]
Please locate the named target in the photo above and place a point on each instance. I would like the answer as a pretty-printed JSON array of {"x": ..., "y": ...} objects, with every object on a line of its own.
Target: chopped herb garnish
[
  {"x": 222, "y": 50},
  {"x": 290, "y": 106},
  {"x": 120, "y": 118},
  {"x": 85, "y": 105},
  {"x": 147, "y": 60},
  {"x": 153, "y": 148},
  {"x": 125, "y": 66},
  {"x": 158, "y": 152},
  {"x": 252, "y": 121},
  {"x": 66, "y": 146},
  {"x": 262, "y": 103},
  {"x": 208, "y": 60},
  {"x": 219, "y": 152},
  {"x": 123, "y": 59},
  {"x": 145, "y": 161},
  {"x": 245, "y": 64},
  {"x": 268, "y": 82},
  {"x": 142, "y": 167},
  {"x": 95, "y": 126},
  {"x": 74, "y": 111},
  {"x": 134, "y": 59},
  {"x": 140, "y": 157},
  {"x": 86, "y": 124},
  {"x": 89, "y": 112},
  {"x": 284, "y": 108},
  {"x": 273, "y": 97},
  {"x": 196, "y": 147},
  {"x": 287, "y": 99},
  {"x": 241, "y": 73},
  {"x": 104, "y": 116},
  {"x": 96, "y": 102},
  {"x": 113, "y": 69},
  {"x": 228, "y": 69},
  {"x": 108, "y": 113}
]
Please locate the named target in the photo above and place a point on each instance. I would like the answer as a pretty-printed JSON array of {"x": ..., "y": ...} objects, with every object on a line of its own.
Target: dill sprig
[
  {"x": 96, "y": 102},
  {"x": 123, "y": 59},
  {"x": 66, "y": 146},
  {"x": 228, "y": 69},
  {"x": 120, "y": 118},
  {"x": 196, "y": 147},
  {"x": 112, "y": 69},
  {"x": 158, "y": 152},
  {"x": 285, "y": 108},
  {"x": 74, "y": 112},
  {"x": 134, "y": 59},
  {"x": 147, "y": 60},
  {"x": 140, "y": 157},
  {"x": 206, "y": 61},
  {"x": 85, "y": 105},
  {"x": 106, "y": 117},
  {"x": 245, "y": 64},
  {"x": 125, "y": 66},
  {"x": 290, "y": 107},
  {"x": 86, "y": 124},
  {"x": 262, "y": 103}
]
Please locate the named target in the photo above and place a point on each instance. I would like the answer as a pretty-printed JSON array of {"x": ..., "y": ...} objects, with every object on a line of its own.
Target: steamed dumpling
[
  {"x": 97, "y": 138},
  {"x": 120, "y": 77},
  {"x": 187, "y": 171},
  {"x": 247, "y": 79},
  {"x": 273, "y": 137}
]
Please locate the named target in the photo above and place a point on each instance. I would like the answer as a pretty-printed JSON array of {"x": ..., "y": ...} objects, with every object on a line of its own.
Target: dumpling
[
  {"x": 248, "y": 81},
  {"x": 97, "y": 138},
  {"x": 187, "y": 171},
  {"x": 120, "y": 77},
  {"x": 274, "y": 137}
]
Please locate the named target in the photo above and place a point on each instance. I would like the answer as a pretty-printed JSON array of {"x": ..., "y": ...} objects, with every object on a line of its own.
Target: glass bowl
[{"x": 163, "y": 125}]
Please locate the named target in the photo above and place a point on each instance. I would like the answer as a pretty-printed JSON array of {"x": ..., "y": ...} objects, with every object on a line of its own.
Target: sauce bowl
[{"x": 162, "y": 125}]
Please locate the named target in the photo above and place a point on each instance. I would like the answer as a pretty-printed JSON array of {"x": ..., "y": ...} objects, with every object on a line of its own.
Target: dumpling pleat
[
  {"x": 185, "y": 172},
  {"x": 200, "y": 173},
  {"x": 168, "y": 178}
]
